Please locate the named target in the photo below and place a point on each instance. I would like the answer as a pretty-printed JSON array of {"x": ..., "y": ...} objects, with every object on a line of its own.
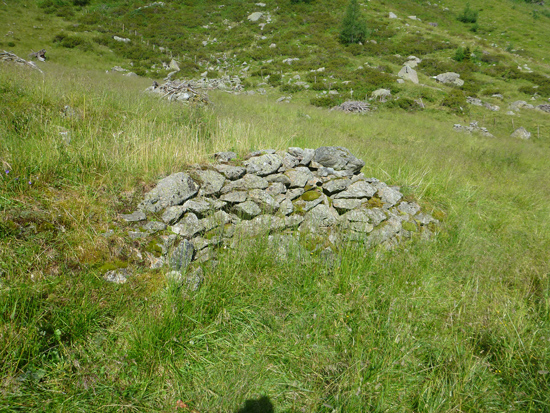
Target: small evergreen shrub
[
  {"x": 455, "y": 101},
  {"x": 324, "y": 101},
  {"x": 291, "y": 88},
  {"x": 468, "y": 15},
  {"x": 354, "y": 28}
]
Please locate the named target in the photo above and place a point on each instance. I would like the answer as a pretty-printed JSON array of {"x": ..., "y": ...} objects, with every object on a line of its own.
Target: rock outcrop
[
  {"x": 316, "y": 196},
  {"x": 13, "y": 58}
]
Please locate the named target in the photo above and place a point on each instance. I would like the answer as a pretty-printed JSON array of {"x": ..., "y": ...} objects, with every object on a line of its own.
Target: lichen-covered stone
[
  {"x": 231, "y": 172},
  {"x": 360, "y": 189},
  {"x": 410, "y": 208},
  {"x": 170, "y": 191},
  {"x": 173, "y": 214},
  {"x": 188, "y": 226},
  {"x": 320, "y": 216},
  {"x": 246, "y": 183},
  {"x": 281, "y": 178},
  {"x": 154, "y": 226},
  {"x": 294, "y": 193},
  {"x": 389, "y": 196},
  {"x": 343, "y": 205},
  {"x": 134, "y": 217},
  {"x": 276, "y": 188},
  {"x": 181, "y": 256},
  {"x": 304, "y": 155},
  {"x": 265, "y": 201},
  {"x": 338, "y": 158},
  {"x": 235, "y": 197},
  {"x": 246, "y": 210},
  {"x": 286, "y": 207},
  {"x": 299, "y": 176},
  {"x": 217, "y": 220},
  {"x": 336, "y": 185},
  {"x": 263, "y": 165},
  {"x": 199, "y": 206},
  {"x": 225, "y": 156},
  {"x": 211, "y": 182}
]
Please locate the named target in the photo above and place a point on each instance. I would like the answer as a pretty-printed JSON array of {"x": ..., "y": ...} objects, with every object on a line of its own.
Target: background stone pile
[{"x": 318, "y": 197}]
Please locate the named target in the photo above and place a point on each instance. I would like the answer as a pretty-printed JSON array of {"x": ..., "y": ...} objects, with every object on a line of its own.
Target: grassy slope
[{"x": 457, "y": 324}]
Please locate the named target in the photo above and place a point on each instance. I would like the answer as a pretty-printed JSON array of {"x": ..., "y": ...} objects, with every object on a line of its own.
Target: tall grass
[{"x": 458, "y": 323}]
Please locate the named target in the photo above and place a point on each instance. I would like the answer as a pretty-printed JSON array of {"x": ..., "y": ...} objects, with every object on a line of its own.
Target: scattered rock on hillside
[
  {"x": 544, "y": 108},
  {"x": 254, "y": 17},
  {"x": 354, "y": 106},
  {"x": 392, "y": 15},
  {"x": 408, "y": 73},
  {"x": 381, "y": 94},
  {"x": 473, "y": 128},
  {"x": 479, "y": 102},
  {"x": 521, "y": 133},
  {"x": 520, "y": 104},
  {"x": 122, "y": 39},
  {"x": 450, "y": 78},
  {"x": 13, "y": 58}
]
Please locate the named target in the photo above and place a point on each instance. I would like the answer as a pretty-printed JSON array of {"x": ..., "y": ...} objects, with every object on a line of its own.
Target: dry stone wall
[{"x": 298, "y": 198}]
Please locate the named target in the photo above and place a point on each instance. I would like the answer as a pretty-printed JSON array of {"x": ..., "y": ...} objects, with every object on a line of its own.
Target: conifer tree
[{"x": 354, "y": 28}]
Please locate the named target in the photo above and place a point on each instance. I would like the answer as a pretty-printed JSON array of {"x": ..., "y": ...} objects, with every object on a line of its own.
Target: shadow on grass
[{"x": 261, "y": 405}]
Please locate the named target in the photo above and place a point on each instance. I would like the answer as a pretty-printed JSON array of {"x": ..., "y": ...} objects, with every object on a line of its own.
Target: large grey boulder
[
  {"x": 338, "y": 158},
  {"x": 544, "y": 108},
  {"x": 263, "y": 165},
  {"x": 520, "y": 104},
  {"x": 254, "y": 17},
  {"x": 450, "y": 78},
  {"x": 521, "y": 133},
  {"x": 408, "y": 73},
  {"x": 170, "y": 191}
]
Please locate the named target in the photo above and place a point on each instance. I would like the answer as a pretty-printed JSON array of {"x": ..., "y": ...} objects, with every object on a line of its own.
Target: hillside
[{"x": 456, "y": 322}]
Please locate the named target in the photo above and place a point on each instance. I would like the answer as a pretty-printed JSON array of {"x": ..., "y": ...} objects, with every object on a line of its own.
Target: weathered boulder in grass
[
  {"x": 408, "y": 73},
  {"x": 337, "y": 158},
  {"x": 521, "y": 133},
  {"x": 450, "y": 78},
  {"x": 170, "y": 191}
]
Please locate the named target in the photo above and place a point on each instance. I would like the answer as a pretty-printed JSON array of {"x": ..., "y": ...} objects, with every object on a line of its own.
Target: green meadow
[{"x": 457, "y": 323}]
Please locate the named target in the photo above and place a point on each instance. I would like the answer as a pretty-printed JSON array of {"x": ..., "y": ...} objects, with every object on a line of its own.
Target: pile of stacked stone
[
  {"x": 316, "y": 196},
  {"x": 354, "y": 106},
  {"x": 179, "y": 91}
]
